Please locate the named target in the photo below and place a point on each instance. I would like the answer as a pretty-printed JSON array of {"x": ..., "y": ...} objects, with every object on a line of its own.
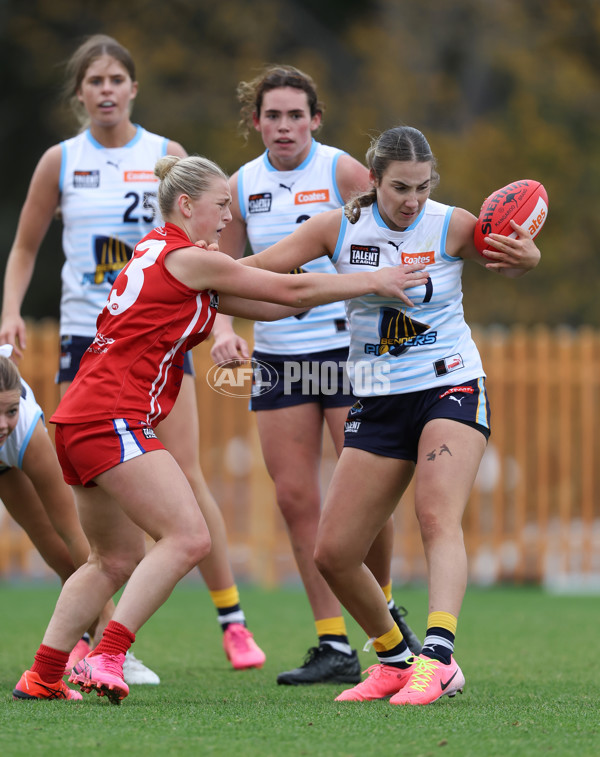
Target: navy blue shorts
[
  {"x": 71, "y": 352},
  {"x": 391, "y": 426},
  {"x": 289, "y": 380}
]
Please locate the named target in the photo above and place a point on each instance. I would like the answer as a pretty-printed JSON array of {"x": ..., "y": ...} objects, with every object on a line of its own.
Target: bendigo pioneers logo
[
  {"x": 111, "y": 254},
  {"x": 398, "y": 332}
]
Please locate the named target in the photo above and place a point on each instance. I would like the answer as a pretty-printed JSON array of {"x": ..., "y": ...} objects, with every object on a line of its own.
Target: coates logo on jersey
[
  {"x": 313, "y": 195},
  {"x": 422, "y": 258},
  {"x": 253, "y": 378},
  {"x": 139, "y": 176}
]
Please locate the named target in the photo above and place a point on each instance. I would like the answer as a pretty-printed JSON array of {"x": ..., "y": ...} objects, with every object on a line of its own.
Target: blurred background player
[
  {"x": 102, "y": 182},
  {"x": 296, "y": 178}
]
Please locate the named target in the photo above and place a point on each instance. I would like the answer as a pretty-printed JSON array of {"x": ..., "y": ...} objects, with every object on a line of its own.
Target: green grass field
[{"x": 530, "y": 661}]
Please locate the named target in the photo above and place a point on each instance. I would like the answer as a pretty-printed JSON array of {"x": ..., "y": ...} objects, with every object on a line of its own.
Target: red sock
[
  {"x": 115, "y": 640},
  {"x": 50, "y": 663}
]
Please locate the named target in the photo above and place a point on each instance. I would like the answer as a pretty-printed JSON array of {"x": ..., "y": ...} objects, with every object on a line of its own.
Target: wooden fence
[{"x": 534, "y": 515}]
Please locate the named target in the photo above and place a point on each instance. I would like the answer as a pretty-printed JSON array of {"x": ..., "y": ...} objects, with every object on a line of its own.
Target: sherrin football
[{"x": 524, "y": 201}]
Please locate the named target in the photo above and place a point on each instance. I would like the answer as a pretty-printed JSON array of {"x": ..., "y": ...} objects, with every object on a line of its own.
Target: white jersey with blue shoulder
[
  {"x": 396, "y": 349},
  {"x": 108, "y": 203},
  {"x": 13, "y": 449},
  {"x": 273, "y": 203}
]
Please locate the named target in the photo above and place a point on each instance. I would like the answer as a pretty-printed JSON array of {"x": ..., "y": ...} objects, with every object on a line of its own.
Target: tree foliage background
[{"x": 503, "y": 89}]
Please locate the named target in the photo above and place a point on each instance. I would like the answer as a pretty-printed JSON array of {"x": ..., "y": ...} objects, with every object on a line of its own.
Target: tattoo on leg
[{"x": 434, "y": 453}]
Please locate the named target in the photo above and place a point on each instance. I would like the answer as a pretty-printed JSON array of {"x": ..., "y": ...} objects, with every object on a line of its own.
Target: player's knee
[
  {"x": 118, "y": 567},
  {"x": 298, "y": 504},
  {"x": 328, "y": 560},
  {"x": 192, "y": 548},
  {"x": 434, "y": 526}
]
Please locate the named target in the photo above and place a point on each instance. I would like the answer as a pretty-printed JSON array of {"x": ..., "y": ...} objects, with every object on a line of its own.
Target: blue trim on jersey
[
  {"x": 27, "y": 438},
  {"x": 377, "y": 217},
  {"x": 417, "y": 219},
  {"x": 131, "y": 143},
  {"x": 63, "y": 163},
  {"x": 340, "y": 239},
  {"x": 240, "y": 189},
  {"x": 339, "y": 197},
  {"x": 270, "y": 167},
  {"x": 380, "y": 222},
  {"x": 309, "y": 157},
  {"x": 137, "y": 137},
  {"x": 165, "y": 146},
  {"x": 444, "y": 234}
]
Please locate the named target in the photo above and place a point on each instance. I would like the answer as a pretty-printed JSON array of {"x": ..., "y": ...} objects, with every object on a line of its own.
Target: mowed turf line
[{"x": 530, "y": 660}]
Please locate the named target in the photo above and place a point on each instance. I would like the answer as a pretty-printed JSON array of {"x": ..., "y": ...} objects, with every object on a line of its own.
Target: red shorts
[{"x": 87, "y": 449}]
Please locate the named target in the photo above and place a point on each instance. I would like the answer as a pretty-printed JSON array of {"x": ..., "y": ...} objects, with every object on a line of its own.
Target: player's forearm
[
  {"x": 312, "y": 289},
  {"x": 17, "y": 277}
]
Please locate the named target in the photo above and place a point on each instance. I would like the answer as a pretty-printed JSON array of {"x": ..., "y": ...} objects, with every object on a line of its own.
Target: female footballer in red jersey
[
  {"x": 125, "y": 482},
  {"x": 101, "y": 180}
]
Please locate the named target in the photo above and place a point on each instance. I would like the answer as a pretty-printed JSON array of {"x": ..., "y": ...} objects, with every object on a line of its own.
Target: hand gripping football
[{"x": 524, "y": 201}]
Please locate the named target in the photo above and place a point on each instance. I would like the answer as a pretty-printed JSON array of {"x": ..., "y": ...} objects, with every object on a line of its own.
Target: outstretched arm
[{"x": 37, "y": 212}]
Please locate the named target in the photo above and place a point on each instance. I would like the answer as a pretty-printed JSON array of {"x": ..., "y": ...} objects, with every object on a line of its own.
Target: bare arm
[
  {"x": 41, "y": 465},
  {"x": 253, "y": 310},
  {"x": 37, "y": 212},
  {"x": 174, "y": 148},
  {"x": 315, "y": 237},
  {"x": 352, "y": 177},
  {"x": 511, "y": 257},
  {"x": 229, "y": 347},
  {"x": 203, "y": 269}
]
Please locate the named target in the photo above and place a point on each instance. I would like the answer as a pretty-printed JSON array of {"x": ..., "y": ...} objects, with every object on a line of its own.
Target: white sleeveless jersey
[
  {"x": 13, "y": 449},
  {"x": 396, "y": 349},
  {"x": 272, "y": 204},
  {"x": 108, "y": 203}
]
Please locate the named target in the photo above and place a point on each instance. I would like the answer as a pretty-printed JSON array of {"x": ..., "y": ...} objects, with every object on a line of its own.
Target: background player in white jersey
[
  {"x": 294, "y": 179},
  {"x": 421, "y": 410},
  {"x": 103, "y": 182}
]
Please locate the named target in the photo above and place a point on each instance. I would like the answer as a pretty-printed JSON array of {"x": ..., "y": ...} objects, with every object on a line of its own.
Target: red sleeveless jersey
[{"x": 134, "y": 366}]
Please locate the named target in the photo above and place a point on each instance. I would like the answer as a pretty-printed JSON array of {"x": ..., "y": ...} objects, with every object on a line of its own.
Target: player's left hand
[{"x": 512, "y": 256}]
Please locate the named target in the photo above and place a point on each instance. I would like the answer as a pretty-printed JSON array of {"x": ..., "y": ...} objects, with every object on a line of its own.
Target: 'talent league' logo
[{"x": 364, "y": 254}]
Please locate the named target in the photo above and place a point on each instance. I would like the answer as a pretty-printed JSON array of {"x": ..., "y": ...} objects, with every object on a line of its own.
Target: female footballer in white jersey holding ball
[
  {"x": 294, "y": 179},
  {"x": 421, "y": 405},
  {"x": 103, "y": 183}
]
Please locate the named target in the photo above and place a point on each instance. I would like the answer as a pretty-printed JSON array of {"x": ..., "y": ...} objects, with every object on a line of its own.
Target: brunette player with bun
[
  {"x": 103, "y": 182},
  {"x": 294, "y": 179},
  {"x": 426, "y": 417},
  {"x": 125, "y": 482}
]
